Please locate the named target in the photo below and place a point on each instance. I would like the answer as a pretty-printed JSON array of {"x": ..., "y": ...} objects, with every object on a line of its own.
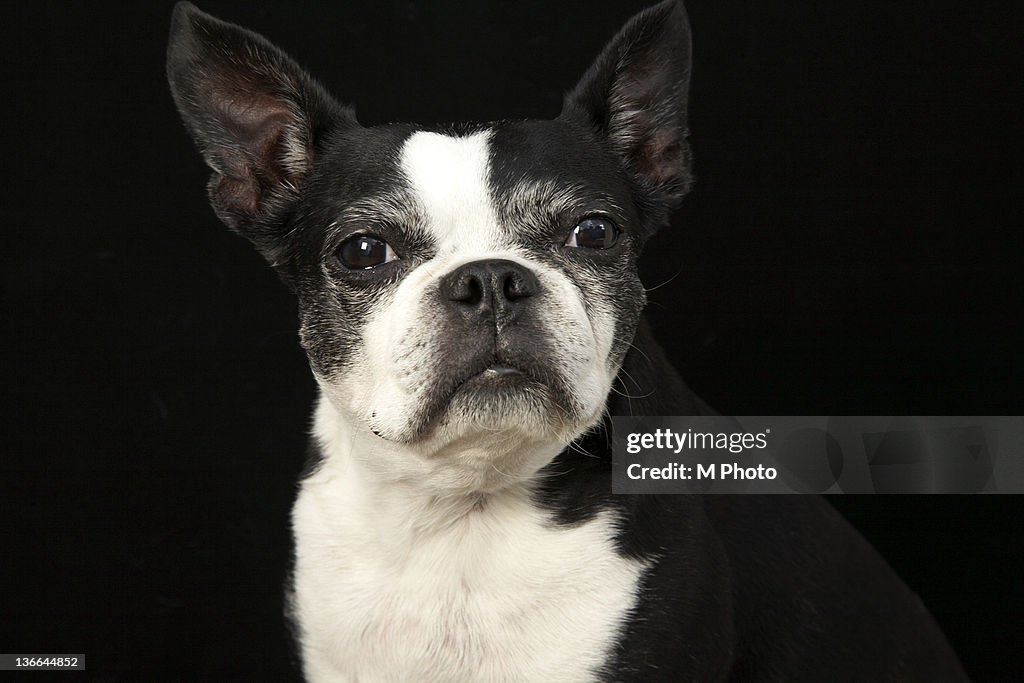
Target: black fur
[
  {"x": 741, "y": 588},
  {"x": 744, "y": 587}
]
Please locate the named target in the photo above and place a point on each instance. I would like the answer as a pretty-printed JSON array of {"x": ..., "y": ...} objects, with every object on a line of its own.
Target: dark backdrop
[{"x": 852, "y": 246}]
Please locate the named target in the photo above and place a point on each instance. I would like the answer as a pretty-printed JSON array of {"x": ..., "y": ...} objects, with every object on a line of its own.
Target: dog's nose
[{"x": 493, "y": 287}]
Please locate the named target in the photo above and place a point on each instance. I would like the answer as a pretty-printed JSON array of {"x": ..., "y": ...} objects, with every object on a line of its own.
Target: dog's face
[
  {"x": 458, "y": 286},
  {"x": 468, "y": 282}
]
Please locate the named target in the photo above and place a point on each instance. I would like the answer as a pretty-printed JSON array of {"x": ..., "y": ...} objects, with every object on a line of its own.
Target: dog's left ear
[{"x": 634, "y": 97}]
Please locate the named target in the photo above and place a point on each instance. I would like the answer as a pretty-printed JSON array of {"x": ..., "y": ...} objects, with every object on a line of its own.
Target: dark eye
[
  {"x": 593, "y": 233},
  {"x": 365, "y": 251}
]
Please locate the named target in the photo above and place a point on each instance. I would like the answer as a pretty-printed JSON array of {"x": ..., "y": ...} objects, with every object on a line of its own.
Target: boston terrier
[{"x": 470, "y": 305}]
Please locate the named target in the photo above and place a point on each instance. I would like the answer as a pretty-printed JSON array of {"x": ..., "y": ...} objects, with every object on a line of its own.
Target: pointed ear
[
  {"x": 255, "y": 114},
  {"x": 634, "y": 97}
]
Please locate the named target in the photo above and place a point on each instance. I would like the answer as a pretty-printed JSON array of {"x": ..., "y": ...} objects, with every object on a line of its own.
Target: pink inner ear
[
  {"x": 253, "y": 118},
  {"x": 258, "y": 161},
  {"x": 652, "y": 148},
  {"x": 660, "y": 158},
  {"x": 643, "y": 128},
  {"x": 237, "y": 194}
]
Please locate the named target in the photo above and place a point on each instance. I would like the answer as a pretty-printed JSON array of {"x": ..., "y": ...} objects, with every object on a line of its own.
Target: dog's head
[{"x": 463, "y": 287}]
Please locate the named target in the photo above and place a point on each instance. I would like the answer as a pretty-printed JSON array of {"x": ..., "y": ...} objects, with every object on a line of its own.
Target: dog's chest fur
[{"x": 387, "y": 589}]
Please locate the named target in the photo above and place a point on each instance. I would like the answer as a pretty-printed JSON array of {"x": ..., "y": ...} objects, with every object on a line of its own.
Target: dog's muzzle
[{"x": 494, "y": 346}]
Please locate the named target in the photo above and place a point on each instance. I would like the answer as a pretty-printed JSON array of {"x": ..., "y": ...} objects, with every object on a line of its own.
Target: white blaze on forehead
[{"x": 448, "y": 175}]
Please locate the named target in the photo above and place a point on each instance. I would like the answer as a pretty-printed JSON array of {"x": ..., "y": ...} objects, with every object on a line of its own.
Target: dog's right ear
[
  {"x": 634, "y": 98},
  {"x": 255, "y": 114}
]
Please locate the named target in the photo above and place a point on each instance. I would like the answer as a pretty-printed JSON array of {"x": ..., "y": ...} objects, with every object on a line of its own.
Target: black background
[{"x": 852, "y": 246}]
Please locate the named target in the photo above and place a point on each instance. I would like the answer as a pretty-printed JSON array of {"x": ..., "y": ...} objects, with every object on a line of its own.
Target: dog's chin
[
  {"x": 498, "y": 403},
  {"x": 499, "y": 399}
]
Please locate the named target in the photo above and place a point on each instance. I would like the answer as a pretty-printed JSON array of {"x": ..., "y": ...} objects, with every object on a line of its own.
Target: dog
[{"x": 468, "y": 296}]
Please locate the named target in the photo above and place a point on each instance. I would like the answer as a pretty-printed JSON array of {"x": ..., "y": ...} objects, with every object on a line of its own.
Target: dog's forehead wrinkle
[
  {"x": 533, "y": 203},
  {"x": 546, "y": 196},
  {"x": 375, "y": 205}
]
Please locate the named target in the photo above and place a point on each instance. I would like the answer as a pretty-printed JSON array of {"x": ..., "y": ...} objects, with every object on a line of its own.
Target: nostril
[
  {"x": 474, "y": 290},
  {"x": 516, "y": 287},
  {"x": 467, "y": 289}
]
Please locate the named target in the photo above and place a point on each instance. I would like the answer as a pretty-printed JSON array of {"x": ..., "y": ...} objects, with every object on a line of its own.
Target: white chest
[{"x": 500, "y": 594}]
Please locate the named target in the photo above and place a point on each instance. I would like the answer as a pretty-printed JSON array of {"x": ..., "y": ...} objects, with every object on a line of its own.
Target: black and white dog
[{"x": 468, "y": 296}]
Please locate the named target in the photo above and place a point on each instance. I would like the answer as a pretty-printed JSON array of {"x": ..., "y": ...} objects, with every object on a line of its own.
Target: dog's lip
[
  {"x": 496, "y": 375},
  {"x": 499, "y": 370}
]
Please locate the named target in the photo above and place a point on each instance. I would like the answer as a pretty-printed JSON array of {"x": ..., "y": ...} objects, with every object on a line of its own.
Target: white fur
[
  {"x": 449, "y": 178},
  {"x": 395, "y": 584}
]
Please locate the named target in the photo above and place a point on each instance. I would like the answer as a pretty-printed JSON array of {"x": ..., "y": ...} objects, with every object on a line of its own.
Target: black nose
[{"x": 494, "y": 287}]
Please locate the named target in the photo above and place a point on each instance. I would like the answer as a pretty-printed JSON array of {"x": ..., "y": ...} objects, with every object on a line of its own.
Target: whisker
[
  {"x": 623, "y": 371},
  {"x": 640, "y": 351},
  {"x": 582, "y": 451},
  {"x": 678, "y": 273}
]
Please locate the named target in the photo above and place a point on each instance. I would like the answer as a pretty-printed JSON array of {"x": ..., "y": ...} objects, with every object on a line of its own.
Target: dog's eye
[
  {"x": 593, "y": 233},
  {"x": 365, "y": 251}
]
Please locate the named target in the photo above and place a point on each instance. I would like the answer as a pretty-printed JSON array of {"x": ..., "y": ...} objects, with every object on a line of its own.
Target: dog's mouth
[
  {"x": 491, "y": 389},
  {"x": 499, "y": 376},
  {"x": 498, "y": 370}
]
